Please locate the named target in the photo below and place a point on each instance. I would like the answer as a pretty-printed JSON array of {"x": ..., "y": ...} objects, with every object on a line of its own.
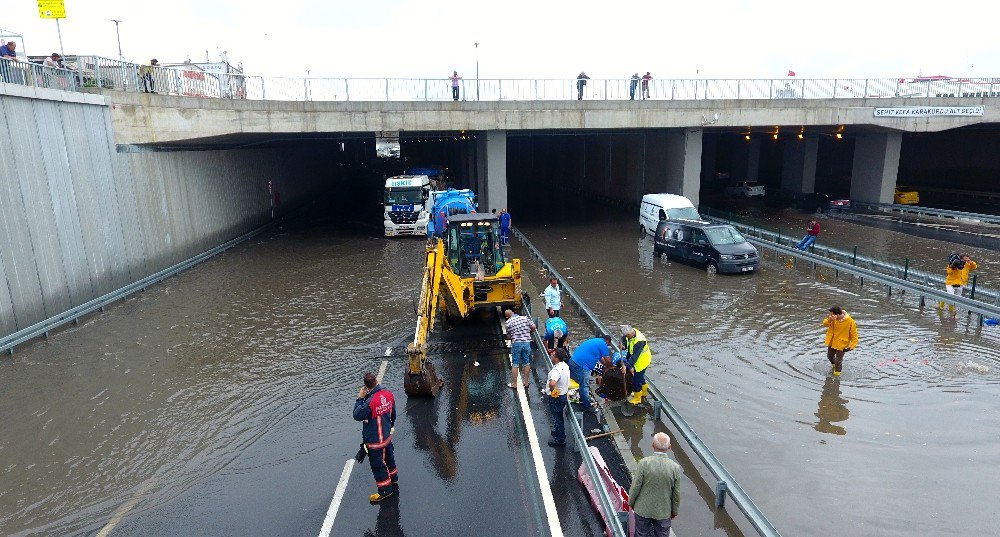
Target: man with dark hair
[
  {"x": 581, "y": 81},
  {"x": 376, "y": 408},
  {"x": 585, "y": 358},
  {"x": 558, "y": 385}
]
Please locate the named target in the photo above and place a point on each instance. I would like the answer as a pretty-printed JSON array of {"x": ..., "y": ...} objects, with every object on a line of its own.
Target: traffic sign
[{"x": 52, "y": 9}]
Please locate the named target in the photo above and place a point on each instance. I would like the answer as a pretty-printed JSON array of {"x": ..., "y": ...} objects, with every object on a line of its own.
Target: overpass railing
[
  {"x": 96, "y": 71},
  {"x": 32, "y": 74}
]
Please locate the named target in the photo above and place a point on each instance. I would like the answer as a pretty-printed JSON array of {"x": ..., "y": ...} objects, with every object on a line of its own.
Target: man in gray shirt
[{"x": 655, "y": 494}]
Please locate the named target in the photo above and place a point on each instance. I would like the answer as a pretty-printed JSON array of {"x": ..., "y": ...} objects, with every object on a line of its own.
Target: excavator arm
[{"x": 421, "y": 378}]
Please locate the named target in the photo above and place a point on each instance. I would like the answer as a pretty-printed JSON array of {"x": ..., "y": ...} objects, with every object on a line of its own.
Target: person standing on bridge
[
  {"x": 519, "y": 329},
  {"x": 645, "y": 85},
  {"x": 812, "y": 231},
  {"x": 638, "y": 357},
  {"x": 376, "y": 409},
  {"x": 841, "y": 337},
  {"x": 146, "y": 74},
  {"x": 655, "y": 494},
  {"x": 585, "y": 358},
  {"x": 631, "y": 86},
  {"x": 556, "y": 332},
  {"x": 504, "y": 227},
  {"x": 957, "y": 277},
  {"x": 454, "y": 85},
  {"x": 558, "y": 386},
  {"x": 581, "y": 82}
]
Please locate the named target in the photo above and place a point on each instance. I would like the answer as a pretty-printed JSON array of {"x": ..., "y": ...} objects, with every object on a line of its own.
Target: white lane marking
[
  {"x": 536, "y": 454},
  {"x": 345, "y": 475},
  {"x": 118, "y": 515},
  {"x": 381, "y": 369},
  {"x": 338, "y": 496}
]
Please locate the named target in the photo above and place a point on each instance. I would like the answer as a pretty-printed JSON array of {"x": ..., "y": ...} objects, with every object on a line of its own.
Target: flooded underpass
[{"x": 893, "y": 447}]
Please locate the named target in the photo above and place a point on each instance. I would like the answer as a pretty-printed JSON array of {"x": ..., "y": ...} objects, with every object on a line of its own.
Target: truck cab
[{"x": 407, "y": 205}]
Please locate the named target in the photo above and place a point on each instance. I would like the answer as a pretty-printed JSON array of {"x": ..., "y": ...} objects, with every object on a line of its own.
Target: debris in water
[
  {"x": 973, "y": 367},
  {"x": 388, "y": 351},
  {"x": 476, "y": 364}
]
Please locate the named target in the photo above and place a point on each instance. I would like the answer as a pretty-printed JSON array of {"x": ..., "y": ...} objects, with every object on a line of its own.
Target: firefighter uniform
[{"x": 377, "y": 411}]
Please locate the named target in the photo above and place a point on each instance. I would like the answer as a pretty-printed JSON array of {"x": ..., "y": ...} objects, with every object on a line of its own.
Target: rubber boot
[
  {"x": 635, "y": 398},
  {"x": 951, "y": 308},
  {"x": 941, "y": 305}
]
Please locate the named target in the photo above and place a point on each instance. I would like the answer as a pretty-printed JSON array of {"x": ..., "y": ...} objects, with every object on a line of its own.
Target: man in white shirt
[
  {"x": 553, "y": 297},
  {"x": 558, "y": 386}
]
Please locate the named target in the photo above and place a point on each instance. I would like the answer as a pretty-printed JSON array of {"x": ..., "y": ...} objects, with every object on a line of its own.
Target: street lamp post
[
  {"x": 477, "y": 71},
  {"x": 119, "y": 35}
]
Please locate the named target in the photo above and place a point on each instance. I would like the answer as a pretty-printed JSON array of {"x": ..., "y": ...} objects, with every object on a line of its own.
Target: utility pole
[
  {"x": 477, "y": 71},
  {"x": 119, "y": 35}
]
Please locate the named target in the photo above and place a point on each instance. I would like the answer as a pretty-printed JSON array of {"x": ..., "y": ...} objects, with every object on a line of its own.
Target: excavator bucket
[{"x": 425, "y": 383}]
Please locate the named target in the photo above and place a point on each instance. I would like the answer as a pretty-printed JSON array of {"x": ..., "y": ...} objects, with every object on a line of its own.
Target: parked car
[
  {"x": 715, "y": 247},
  {"x": 656, "y": 207},
  {"x": 839, "y": 205},
  {"x": 745, "y": 189},
  {"x": 905, "y": 196}
]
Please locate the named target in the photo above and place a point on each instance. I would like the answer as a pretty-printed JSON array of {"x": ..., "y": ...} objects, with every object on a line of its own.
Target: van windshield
[
  {"x": 724, "y": 235},
  {"x": 683, "y": 213}
]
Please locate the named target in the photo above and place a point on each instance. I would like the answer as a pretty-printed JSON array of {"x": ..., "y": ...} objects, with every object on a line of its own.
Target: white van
[{"x": 656, "y": 207}]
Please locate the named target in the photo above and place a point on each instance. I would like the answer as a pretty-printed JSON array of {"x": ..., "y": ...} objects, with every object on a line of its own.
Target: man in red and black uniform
[{"x": 376, "y": 407}]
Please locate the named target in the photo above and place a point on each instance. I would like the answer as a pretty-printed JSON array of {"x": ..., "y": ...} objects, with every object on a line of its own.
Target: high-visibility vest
[{"x": 642, "y": 361}]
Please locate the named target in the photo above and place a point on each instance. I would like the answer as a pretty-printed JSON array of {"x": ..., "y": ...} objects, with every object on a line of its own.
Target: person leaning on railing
[{"x": 8, "y": 55}]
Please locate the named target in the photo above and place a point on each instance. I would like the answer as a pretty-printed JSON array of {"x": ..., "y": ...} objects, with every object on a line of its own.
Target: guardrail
[
  {"x": 96, "y": 71},
  {"x": 73, "y": 315},
  {"x": 580, "y": 441},
  {"x": 922, "y": 291},
  {"x": 930, "y": 211},
  {"x": 726, "y": 484},
  {"x": 977, "y": 292},
  {"x": 32, "y": 74}
]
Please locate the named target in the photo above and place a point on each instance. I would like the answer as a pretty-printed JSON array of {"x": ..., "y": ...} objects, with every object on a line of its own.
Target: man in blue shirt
[
  {"x": 504, "y": 227},
  {"x": 556, "y": 332},
  {"x": 585, "y": 358}
]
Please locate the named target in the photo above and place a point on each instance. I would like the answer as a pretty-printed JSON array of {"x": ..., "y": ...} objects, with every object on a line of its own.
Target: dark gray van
[{"x": 716, "y": 247}]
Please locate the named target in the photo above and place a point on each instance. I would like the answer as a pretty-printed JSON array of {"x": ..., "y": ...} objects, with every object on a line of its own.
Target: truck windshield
[
  {"x": 403, "y": 196},
  {"x": 724, "y": 235},
  {"x": 683, "y": 213}
]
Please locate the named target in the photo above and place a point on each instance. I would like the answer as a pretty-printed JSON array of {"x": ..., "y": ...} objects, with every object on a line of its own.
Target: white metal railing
[
  {"x": 32, "y": 74},
  {"x": 95, "y": 71}
]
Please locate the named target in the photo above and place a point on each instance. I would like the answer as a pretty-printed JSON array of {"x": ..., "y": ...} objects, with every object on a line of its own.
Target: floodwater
[
  {"x": 899, "y": 445},
  {"x": 844, "y": 231},
  {"x": 221, "y": 387}
]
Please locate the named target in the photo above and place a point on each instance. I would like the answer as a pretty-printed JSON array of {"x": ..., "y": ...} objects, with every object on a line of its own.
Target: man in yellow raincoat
[{"x": 841, "y": 337}]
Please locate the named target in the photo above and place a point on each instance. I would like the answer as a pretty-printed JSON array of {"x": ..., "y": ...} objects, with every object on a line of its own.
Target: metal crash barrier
[
  {"x": 912, "y": 281},
  {"x": 726, "y": 483}
]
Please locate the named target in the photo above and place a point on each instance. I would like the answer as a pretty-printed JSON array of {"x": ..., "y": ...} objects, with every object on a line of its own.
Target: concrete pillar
[
  {"x": 684, "y": 163},
  {"x": 496, "y": 170},
  {"x": 746, "y": 160},
  {"x": 876, "y": 163},
  {"x": 798, "y": 167}
]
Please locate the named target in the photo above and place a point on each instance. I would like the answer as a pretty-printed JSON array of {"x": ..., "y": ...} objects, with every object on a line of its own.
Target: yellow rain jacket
[
  {"x": 841, "y": 334},
  {"x": 960, "y": 276}
]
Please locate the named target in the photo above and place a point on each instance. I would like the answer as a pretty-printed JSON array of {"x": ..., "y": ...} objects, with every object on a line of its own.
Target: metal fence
[
  {"x": 726, "y": 484},
  {"x": 95, "y": 71},
  {"x": 32, "y": 74},
  {"x": 929, "y": 211}
]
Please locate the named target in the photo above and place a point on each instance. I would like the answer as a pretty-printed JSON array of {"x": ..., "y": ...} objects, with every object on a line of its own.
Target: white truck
[{"x": 407, "y": 205}]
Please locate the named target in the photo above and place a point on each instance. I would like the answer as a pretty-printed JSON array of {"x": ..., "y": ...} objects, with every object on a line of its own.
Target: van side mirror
[{"x": 702, "y": 242}]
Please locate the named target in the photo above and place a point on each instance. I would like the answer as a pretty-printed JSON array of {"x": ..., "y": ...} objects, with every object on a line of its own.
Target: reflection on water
[
  {"x": 832, "y": 408},
  {"x": 742, "y": 358},
  {"x": 387, "y": 522}
]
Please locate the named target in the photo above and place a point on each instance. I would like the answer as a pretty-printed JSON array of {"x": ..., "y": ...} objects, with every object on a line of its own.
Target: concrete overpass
[{"x": 672, "y": 141}]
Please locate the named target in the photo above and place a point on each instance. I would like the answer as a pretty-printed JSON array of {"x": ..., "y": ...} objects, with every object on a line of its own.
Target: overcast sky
[{"x": 536, "y": 38}]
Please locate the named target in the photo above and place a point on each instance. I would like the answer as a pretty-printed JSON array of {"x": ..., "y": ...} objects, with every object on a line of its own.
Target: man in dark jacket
[{"x": 376, "y": 408}]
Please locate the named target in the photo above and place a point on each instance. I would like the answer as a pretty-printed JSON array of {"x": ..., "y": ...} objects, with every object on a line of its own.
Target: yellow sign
[{"x": 52, "y": 9}]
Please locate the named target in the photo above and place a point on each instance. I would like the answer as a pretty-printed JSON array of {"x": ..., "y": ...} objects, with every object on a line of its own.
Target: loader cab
[{"x": 473, "y": 240}]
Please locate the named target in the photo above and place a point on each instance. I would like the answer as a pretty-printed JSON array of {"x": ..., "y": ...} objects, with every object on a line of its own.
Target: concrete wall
[
  {"x": 78, "y": 219},
  {"x": 876, "y": 163}
]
